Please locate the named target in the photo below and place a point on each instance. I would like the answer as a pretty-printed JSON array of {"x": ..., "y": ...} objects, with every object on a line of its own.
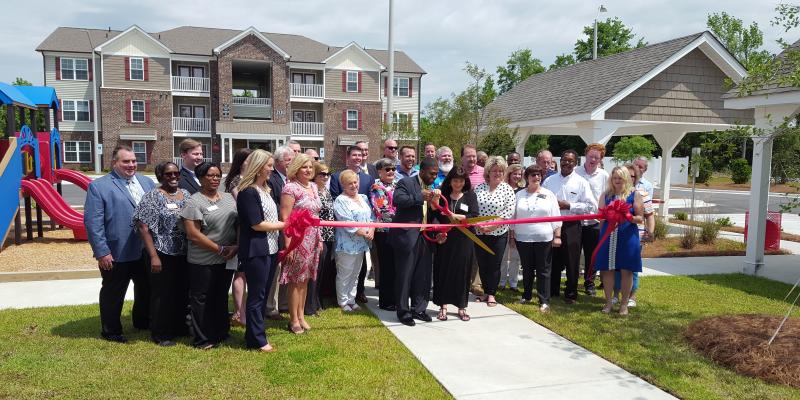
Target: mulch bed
[
  {"x": 739, "y": 342},
  {"x": 670, "y": 247},
  {"x": 735, "y": 229}
]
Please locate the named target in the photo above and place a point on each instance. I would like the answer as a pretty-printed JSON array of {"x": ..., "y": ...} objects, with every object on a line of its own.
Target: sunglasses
[
  {"x": 316, "y": 158},
  {"x": 633, "y": 177},
  {"x": 391, "y": 147},
  {"x": 325, "y": 174},
  {"x": 390, "y": 169},
  {"x": 534, "y": 174}
]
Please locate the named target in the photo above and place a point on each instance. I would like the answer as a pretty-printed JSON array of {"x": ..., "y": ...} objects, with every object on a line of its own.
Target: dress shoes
[
  {"x": 390, "y": 307},
  {"x": 115, "y": 338},
  {"x": 166, "y": 343},
  {"x": 422, "y": 317},
  {"x": 361, "y": 299},
  {"x": 408, "y": 321}
]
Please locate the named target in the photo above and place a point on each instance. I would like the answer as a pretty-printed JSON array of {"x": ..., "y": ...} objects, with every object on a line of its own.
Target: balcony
[
  {"x": 191, "y": 86},
  {"x": 308, "y": 129},
  {"x": 252, "y": 107},
  {"x": 308, "y": 91},
  {"x": 182, "y": 124}
]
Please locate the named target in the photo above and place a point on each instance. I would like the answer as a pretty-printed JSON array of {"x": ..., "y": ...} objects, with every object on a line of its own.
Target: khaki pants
[{"x": 475, "y": 287}]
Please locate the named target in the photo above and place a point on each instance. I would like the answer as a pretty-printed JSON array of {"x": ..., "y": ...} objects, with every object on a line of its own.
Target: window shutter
[
  {"x": 385, "y": 86},
  {"x": 91, "y": 74},
  {"x": 147, "y": 111},
  {"x": 58, "y": 69},
  {"x": 359, "y": 119},
  {"x": 60, "y": 112},
  {"x": 344, "y": 81},
  {"x": 128, "y": 72},
  {"x": 128, "y": 110},
  {"x": 359, "y": 81},
  {"x": 146, "y": 63},
  {"x": 91, "y": 110},
  {"x": 410, "y": 86},
  {"x": 344, "y": 119}
]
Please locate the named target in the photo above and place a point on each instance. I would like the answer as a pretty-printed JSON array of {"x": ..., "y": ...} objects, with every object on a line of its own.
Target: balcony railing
[
  {"x": 252, "y": 108},
  {"x": 252, "y": 101},
  {"x": 308, "y": 128},
  {"x": 182, "y": 124},
  {"x": 188, "y": 84},
  {"x": 179, "y": 161},
  {"x": 308, "y": 90}
]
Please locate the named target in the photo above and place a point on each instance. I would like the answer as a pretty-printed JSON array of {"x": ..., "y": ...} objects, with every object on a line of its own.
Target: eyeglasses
[
  {"x": 325, "y": 174},
  {"x": 390, "y": 169},
  {"x": 392, "y": 148},
  {"x": 210, "y": 176},
  {"x": 633, "y": 177},
  {"x": 316, "y": 158}
]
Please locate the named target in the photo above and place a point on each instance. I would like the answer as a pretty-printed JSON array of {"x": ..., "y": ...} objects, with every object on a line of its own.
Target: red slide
[
  {"x": 75, "y": 177},
  {"x": 55, "y": 206}
]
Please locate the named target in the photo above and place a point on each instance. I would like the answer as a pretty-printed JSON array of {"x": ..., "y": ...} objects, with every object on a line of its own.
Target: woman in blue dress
[{"x": 622, "y": 250}]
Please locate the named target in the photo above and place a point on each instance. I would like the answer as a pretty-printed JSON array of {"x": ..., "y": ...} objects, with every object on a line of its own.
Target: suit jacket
[
  {"x": 108, "y": 216},
  {"x": 408, "y": 202},
  {"x": 250, "y": 212},
  {"x": 275, "y": 184},
  {"x": 372, "y": 171},
  {"x": 187, "y": 182},
  {"x": 364, "y": 184}
]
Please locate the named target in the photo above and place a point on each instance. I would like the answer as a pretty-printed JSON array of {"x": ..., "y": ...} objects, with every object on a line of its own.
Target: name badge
[
  {"x": 172, "y": 206},
  {"x": 541, "y": 196},
  {"x": 212, "y": 208},
  {"x": 463, "y": 207}
]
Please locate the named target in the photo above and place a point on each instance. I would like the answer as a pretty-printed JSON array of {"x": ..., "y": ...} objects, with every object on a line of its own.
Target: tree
[
  {"x": 536, "y": 143},
  {"x": 488, "y": 92},
  {"x": 633, "y": 146},
  {"x": 520, "y": 65},
  {"x": 19, "y": 81},
  {"x": 562, "y": 60},
  {"x": 612, "y": 37},
  {"x": 497, "y": 144},
  {"x": 743, "y": 42}
]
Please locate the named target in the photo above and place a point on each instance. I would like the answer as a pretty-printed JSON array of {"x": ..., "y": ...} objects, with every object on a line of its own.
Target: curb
[{"x": 48, "y": 275}]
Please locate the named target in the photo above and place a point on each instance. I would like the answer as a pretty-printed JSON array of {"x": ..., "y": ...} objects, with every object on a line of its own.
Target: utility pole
[{"x": 390, "y": 78}]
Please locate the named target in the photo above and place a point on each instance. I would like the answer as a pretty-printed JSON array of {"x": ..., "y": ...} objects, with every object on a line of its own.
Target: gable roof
[
  {"x": 100, "y": 46},
  {"x": 357, "y": 47},
  {"x": 40, "y": 95},
  {"x": 591, "y": 87},
  {"x": 252, "y": 31},
  {"x": 201, "y": 41},
  {"x": 10, "y": 94},
  {"x": 787, "y": 68}
]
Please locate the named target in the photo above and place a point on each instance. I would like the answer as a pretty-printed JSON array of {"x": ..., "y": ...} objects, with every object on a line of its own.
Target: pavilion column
[
  {"x": 667, "y": 141},
  {"x": 522, "y": 138},
  {"x": 230, "y": 150},
  {"x": 598, "y": 131},
  {"x": 222, "y": 150}
]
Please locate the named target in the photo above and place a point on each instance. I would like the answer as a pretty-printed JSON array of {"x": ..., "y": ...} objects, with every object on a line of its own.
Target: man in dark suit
[
  {"x": 414, "y": 199},
  {"x": 108, "y": 216},
  {"x": 367, "y": 166},
  {"x": 355, "y": 157},
  {"x": 191, "y": 156},
  {"x": 283, "y": 157}
]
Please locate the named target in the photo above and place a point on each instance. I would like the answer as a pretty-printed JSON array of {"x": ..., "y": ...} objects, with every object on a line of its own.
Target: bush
[
  {"x": 709, "y": 231},
  {"x": 724, "y": 221},
  {"x": 660, "y": 230},
  {"x": 681, "y": 215},
  {"x": 706, "y": 169},
  {"x": 689, "y": 237},
  {"x": 740, "y": 170}
]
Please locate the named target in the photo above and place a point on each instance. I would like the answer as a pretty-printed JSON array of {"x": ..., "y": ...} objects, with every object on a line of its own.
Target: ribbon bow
[
  {"x": 295, "y": 229},
  {"x": 615, "y": 213}
]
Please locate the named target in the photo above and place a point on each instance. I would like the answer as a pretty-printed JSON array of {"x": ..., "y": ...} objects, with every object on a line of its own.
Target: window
[
  {"x": 75, "y": 110},
  {"x": 352, "y": 81},
  {"x": 137, "y": 111},
  {"x": 352, "y": 120},
  {"x": 140, "y": 150},
  {"x": 76, "y": 69},
  {"x": 137, "y": 68},
  {"x": 400, "y": 122},
  {"x": 77, "y": 152},
  {"x": 401, "y": 87},
  {"x": 305, "y": 116}
]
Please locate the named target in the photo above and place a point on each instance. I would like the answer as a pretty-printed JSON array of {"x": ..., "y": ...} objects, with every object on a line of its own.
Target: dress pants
[
  {"x": 347, "y": 269},
  {"x": 208, "y": 303},
  {"x": 537, "y": 260},
  {"x": 258, "y": 272},
  {"x": 326, "y": 273},
  {"x": 386, "y": 297},
  {"x": 169, "y": 298},
  {"x": 112, "y": 295},
  {"x": 489, "y": 265},
  {"x": 590, "y": 235},
  {"x": 362, "y": 276},
  {"x": 567, "y": 256},
  {"x": 273, "y": 296},
  {"x": 412, "y": 277}
]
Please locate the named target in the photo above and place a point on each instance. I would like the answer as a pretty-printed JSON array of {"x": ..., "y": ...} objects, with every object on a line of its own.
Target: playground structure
[{"x": 31, "y": 165}]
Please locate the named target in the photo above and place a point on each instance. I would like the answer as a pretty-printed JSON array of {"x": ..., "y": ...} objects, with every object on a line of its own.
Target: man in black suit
[
  {"x": 354, "y": 160},
  {"x": 415, "y": 200},
  {"x": 367, "y": 166},
  {"x": 192, "y": 156},
  {"x": 283, "y": 157}
]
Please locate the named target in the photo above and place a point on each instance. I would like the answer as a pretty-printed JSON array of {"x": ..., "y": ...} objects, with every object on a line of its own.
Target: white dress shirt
[
  {"x": 573, "y": 189},
  {"x": 598, "y": 181}
]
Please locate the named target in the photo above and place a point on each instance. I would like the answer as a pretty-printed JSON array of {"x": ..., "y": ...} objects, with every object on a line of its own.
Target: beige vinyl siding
[
  {"x": 369, "y": 86},
  {"x": 70, "y": 90},
  {"x": 405, "y": 105},
  {"x": 158, "y": 71}
]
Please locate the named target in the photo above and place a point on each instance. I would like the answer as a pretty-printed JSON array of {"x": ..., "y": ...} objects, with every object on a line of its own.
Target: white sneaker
[
  {"x": 354, "y": 307},
  {"x": 614, "y": 301},
  {"x": 346, "y": 308},
  {"x": 631, "y": 303},
  {"x": 544, "y": 308}
]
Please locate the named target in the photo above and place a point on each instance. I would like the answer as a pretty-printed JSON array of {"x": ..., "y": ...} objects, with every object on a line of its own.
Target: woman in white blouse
[
  {"x": 495, "y": 198},
  {"x": 535, "y": 241}
]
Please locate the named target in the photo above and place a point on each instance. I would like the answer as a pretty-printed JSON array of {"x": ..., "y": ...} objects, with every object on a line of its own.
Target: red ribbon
[
  {"x": 615, "y": 213},
  {"x": 295, "y": 229}
]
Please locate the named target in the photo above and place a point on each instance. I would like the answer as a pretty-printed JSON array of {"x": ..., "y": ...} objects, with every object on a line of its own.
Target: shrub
[
  {"x": 660, "y": 229},
  {"x": 724, "y": 221},
  {"x": 706, "y": 169},
  {"x": 689, "y": 237},
  {"x": 681, "y": 215},
  {"x": 740, "y": 170},
  {"x": 709, "y": 231}
]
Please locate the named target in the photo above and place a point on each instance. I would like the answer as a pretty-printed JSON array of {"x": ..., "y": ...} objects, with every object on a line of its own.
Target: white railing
[
  {"x": 307, "y": 90},
  {"x": 252, "y": 101},
  {"x": 179, "y": 161},
  {"x": 182, "y": 124},
  {"x": 308, "y": 128},
  {"x": 188, "y": 84}
]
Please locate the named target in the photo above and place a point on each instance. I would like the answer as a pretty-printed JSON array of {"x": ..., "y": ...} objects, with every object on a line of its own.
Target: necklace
[{"x": 212, "y": 199}]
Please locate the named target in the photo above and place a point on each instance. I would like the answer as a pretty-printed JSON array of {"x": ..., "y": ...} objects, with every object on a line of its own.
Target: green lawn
[
  {"x": 649, "y": 343},
  {"x": 55, "y": 353}
]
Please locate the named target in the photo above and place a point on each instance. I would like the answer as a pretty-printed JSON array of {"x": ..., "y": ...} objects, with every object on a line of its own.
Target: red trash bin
[{"x": 772, "y": 239}]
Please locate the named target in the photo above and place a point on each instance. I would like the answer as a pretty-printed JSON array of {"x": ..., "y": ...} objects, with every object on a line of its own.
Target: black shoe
[
  {"x": 570, "y": 301},
  {"x": 361, "y": 298},
  {"x": 422, "y": 317},
  {"x": 166, "y": 343},
  {"x": 590, "y": 291},
  {"x": 407, "y": 321},
  {"x": 115, "y": 338},
  {"x": 390, "y": 307}
]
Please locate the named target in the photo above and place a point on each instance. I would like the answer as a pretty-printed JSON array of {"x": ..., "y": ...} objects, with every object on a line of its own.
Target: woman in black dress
[{"x": 454, "y": 257}]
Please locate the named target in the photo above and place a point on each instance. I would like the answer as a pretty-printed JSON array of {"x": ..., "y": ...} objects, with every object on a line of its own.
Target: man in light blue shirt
[
  {"x": 644, "y": 184},
  {"x": 408, "y": 158}
]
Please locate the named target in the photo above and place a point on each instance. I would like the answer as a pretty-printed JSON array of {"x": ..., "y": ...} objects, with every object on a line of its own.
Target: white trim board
[
  {"x": 131, "y": 29},
  {"x": 252, "y": 31}
]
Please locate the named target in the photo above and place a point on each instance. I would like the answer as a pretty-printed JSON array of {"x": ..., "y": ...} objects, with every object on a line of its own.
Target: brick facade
[
  {"x": 113, "y": 109},
  {"x": 371, "y": 115},
  {"x": 83, "y": 136}
]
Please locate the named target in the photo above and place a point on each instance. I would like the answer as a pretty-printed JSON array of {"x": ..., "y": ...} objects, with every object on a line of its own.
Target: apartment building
[{"x": 228, "y": 89}]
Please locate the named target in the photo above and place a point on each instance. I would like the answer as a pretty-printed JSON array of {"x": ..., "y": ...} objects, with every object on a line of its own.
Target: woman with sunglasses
[
  {"x": 325, "y": 269},
  {"x": 381, "y": 200},
  {"x": 157, "y": 219},
  {"x": 209, "y": 219}
]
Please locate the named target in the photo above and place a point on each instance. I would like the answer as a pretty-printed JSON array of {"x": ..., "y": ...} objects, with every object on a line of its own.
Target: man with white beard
[{"x": 445, "y": 156}]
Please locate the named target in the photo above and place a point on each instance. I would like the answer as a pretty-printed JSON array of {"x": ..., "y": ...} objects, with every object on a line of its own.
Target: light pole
[{"x": 594, "y": 48}]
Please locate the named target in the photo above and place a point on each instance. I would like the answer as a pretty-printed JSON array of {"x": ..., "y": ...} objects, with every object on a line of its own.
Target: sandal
[
  {"x": 623, "y": 310},
  {"x": 606, "y": 309},
  {"x": 442, "y": 314},
  {"x": 462, "y": 315},
  {"x": 297, "y": 330},
  {"x": 491, "y": 303},
  {"x": 480, "y": 299}
]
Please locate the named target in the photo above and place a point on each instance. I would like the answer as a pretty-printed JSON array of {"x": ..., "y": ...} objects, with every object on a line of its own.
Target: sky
[{"x": 440, "y": 35}]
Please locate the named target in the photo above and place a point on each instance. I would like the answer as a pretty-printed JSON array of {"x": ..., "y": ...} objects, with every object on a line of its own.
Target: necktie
[
  {"x": 135, "y": 191},
  {"x": 425, "y": 209}
]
